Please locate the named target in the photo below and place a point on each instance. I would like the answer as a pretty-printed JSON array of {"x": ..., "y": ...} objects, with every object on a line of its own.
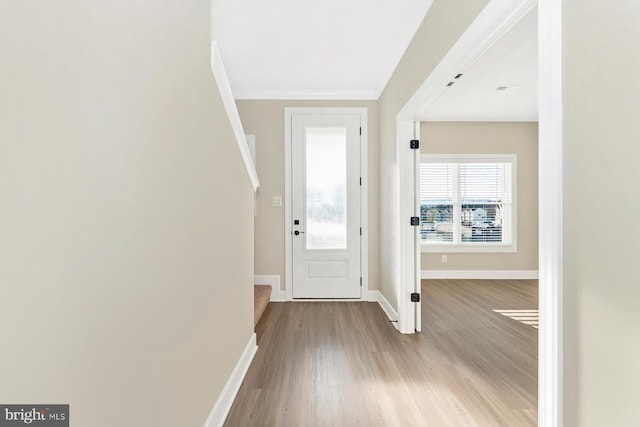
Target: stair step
[{"x": 261, "y": 297}]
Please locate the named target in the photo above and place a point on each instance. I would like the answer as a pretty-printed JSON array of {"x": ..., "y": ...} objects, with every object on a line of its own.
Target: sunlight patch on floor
[{"x": 528, "y": 317}]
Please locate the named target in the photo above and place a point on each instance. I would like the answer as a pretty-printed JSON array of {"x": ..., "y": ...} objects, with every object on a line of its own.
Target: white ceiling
[
  {"x": 308, "y": 49},
  {"x": 348, "y": 49},
  {"x": 512, "y": 63}
]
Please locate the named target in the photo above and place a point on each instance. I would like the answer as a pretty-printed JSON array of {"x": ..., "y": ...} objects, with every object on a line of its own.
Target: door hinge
[
  {"x": 361, "y": 231},
  {"x": 414, "y": 144},
  {"x": 415, "y": 297},
  {"x": 415, "y": 221},
  {"x": 360, "y": 180},
  {"x": 360, "y": 130},
  {"x": 361, "y": 282}
]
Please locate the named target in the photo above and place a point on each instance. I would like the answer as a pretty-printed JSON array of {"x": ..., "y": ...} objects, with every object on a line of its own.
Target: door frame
[
  {"x": 364, "y": 207},
  {"x": 494, "y": 21}
]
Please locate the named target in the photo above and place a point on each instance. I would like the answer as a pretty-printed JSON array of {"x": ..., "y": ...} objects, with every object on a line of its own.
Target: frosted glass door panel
[{"x": 326, "y": 188}]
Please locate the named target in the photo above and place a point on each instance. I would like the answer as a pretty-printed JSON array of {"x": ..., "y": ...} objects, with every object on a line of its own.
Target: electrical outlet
[{"x": 444, "y": 259}]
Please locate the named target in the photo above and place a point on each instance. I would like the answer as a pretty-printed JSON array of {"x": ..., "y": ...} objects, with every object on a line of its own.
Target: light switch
[{"x": 277, "y": 201}]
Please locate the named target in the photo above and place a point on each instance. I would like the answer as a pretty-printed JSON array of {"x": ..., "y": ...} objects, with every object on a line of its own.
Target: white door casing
[
  {"x": 494, "y": 21},
  {"x": 289, "y": 112},
  {"x": 325, "y": 205}
]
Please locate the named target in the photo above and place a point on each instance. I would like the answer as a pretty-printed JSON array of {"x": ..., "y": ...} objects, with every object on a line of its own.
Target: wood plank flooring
[{"x": 343, "y": 364}]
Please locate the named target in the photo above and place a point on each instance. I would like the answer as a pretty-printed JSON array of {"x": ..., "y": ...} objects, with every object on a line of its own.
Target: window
[{"x": 467, "y": 203}]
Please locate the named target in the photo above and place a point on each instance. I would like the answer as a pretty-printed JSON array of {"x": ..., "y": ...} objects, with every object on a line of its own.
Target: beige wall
[
  {"x": 265, "y": 119},
  {"x": 445, "y": 22},
  {"x": 126, "y": 261},
  {"x": 601, "y": 204},
  {"x": 518, "y": 138}
]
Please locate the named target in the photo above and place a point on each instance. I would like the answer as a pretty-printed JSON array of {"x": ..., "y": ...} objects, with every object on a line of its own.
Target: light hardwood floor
[{"x": 343, "y": 364}]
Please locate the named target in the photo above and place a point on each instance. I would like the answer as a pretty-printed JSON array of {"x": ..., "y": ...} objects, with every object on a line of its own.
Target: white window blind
[
  {"x": 437, "y": 201},
  {"x": 436, "y": 182},
  {"x": 481, "y": 182}
]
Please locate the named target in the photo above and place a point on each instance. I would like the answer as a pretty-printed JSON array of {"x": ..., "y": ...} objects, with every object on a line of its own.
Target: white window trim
[{"x": 475, "y": 247}]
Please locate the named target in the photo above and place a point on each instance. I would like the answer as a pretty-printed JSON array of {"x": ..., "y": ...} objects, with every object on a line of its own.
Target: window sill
[{"x": 468, "y": 249}]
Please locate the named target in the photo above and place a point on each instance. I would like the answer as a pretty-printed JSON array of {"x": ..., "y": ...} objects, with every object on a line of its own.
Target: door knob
[{"x": 297, "y": 232}]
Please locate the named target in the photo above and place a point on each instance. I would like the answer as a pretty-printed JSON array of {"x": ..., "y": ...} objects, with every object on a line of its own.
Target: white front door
[{"x": 325, "y": 210}]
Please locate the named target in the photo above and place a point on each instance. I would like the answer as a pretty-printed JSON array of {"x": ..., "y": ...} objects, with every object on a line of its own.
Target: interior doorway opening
[{"x": 495, "y": 20}]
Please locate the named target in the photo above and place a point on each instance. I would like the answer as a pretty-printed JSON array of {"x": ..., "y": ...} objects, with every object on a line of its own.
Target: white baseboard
[
  {"x": 220, "y": 410},
  {"x": 277, "y": 295},
  {"x": 372, "y": 296},
  {"x": 480, "y": 274},
  {"x": 386, "y": 307}
]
